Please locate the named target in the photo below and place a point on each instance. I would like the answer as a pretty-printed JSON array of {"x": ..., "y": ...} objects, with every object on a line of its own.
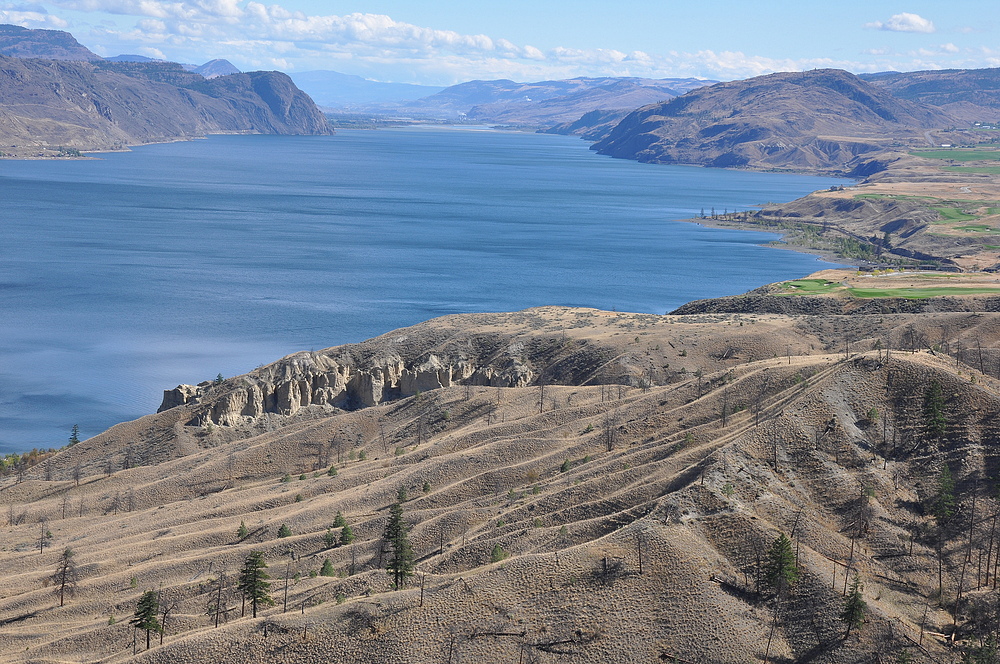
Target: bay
[{"x": 124, "y": 276}]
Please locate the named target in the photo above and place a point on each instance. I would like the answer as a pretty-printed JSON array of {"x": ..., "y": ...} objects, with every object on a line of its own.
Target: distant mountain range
[
  {"x": 970, "y": 94},
  {"x": 543, "y": 103},
  {"x": 816, "y": 120},
  {"x": 331, "y": 89}
]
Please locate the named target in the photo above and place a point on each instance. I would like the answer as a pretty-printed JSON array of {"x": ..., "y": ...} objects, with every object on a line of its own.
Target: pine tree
[
  {"x": 779, "y": 567},
  {"x": 242, "y": 531},
  {"x": 401, "y": 562},
  {"x": 74, "y": 436},
  {"x": 284, "y": 531},
  {"x": 329, "y": 539},
  {"x": 253, "y": 583},
  {"x": 944, "y": 502},
  {"x": 339, "y": 521},
  {"x": 145, "y": 614},
  {"x": 935, "y": 422},
  {"x": 327, "y": 569},
  {"x": 346, "y": 535},
  {"x": 853, "y": 613},
  {"x": 65, "y": 576}
]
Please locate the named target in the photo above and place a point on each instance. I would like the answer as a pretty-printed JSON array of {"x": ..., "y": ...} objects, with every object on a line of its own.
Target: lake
[{"x": 124, "y": 276}]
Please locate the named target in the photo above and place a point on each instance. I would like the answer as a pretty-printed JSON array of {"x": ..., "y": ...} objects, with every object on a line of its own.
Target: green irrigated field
[
  {"x": 919, "y": 293},
  {"x": 990, "y": 170},
  {"x": 809, "y": 287},
  {"x": 950, "y": 214},
  {"x": 959, "y": 154}
]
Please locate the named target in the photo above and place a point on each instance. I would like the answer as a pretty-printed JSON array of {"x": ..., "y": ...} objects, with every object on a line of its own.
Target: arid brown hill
[
  {"x": 585, "y": 485},
  {"x": 18, "y": 42},
  {"x": 815, "y": 120},
  {"x": 49, "y": 103},
  {"x": 973, "y": 94}
]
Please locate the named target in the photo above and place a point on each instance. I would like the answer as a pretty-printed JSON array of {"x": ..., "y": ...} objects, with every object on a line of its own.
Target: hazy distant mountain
[
  {"x": 130, "y": 57},
  {"x": 210, "y": 69},
  {"x": 335, "y": 90},
  {"x": 546, "y": 102},
  {"x": 623, "y": 94},
  {"x": 18, "y": 42},
  {"x": 818, "y": 119},
  {"x": 215, "y": 68}
]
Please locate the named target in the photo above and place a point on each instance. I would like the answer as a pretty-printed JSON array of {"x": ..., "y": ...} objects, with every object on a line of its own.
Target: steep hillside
[
  {"x": 815, "y": 120},
  {"x": 580, "y": 484},
  {"x": 18, "y": 42},
  {"x": 48, "y": 105}
]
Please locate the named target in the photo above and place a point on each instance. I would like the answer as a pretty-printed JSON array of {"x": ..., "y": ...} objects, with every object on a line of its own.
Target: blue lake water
[{"x": 122, "y": 277}]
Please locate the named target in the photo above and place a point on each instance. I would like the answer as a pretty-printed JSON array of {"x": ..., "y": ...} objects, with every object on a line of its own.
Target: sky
[{"x": 443, "y": 42}]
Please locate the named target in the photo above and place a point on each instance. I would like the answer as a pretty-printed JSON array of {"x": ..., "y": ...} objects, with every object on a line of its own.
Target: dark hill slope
[
  {"x": 50, "y": 103},
  {"x": 18, "y": 42},
  {"x": 816, "y": 120}
]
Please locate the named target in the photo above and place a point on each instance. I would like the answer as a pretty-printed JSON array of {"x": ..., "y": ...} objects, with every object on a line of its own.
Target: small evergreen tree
[
  {"x": 944, "y": 502},
  {"x": 327, "y": 569},
  {"x": 853, "y": 613},
  {"x": 986, "y": 653},
  {"x": 935, "y": 423},
  {"x": 346, "y": 535},
  {"x": 252, "y": 582},
  {"x": 401, "y": 496},
  {"x": 242, "y": 531},
  {"x": 400, "y": 563},
  {"x": 74, "y": 436},
  {"x": 284, "y": 531},
  {"x": 780, "y": 572},
  {"x": 65, "y": 576},
  {"x": 329, "y": 539},
  {"x": 498, "y": 553},
  {"x": 145, "y": 614},
  {"x": 339, "y": 521}
]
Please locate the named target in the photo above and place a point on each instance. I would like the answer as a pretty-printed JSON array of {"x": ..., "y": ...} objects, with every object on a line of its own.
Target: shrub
[
  {"x": 427, "y": 487},
  {"x": 286, "y": 478},
  {"x": 498, "y": 553},
  {"x": 302, "y": 476},
  {"x": 332, "y": 472},
  {"x": 284, "y": 531},
  {"x": 298, "y": 497},
  {"x": 566, "y": 465},
  {"x": 329, "y": 539}
]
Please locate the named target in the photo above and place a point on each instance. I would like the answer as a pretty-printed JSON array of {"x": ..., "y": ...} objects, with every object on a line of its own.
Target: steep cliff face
[
  {"x": 48, "y": 103},
  {"x": 810, "y": 120}
]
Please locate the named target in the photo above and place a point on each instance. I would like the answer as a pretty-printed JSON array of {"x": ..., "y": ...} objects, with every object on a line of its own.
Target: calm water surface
[{"x": 173, "y": 263}]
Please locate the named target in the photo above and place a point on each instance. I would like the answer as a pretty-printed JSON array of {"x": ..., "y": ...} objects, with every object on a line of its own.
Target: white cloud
[
  {"x": 30, "y": 16},
  {"x": 904, "y": 22},
  {"x": 253, "y": 34}
]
